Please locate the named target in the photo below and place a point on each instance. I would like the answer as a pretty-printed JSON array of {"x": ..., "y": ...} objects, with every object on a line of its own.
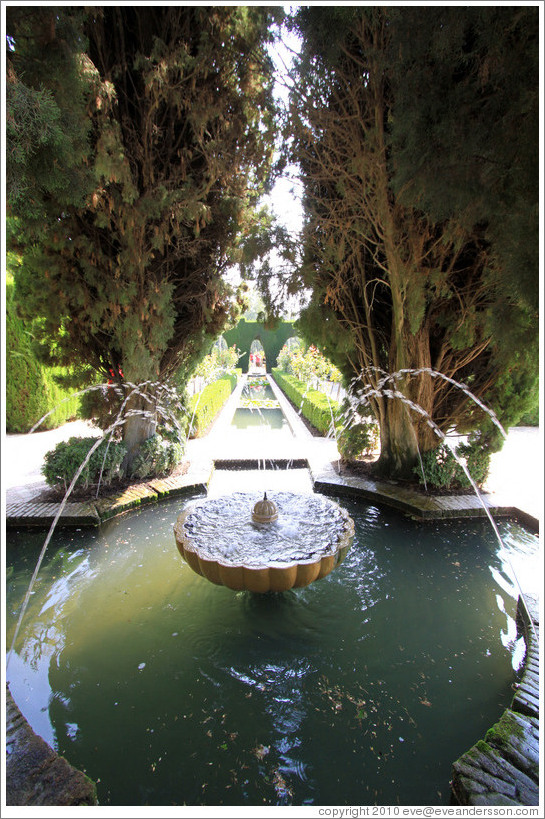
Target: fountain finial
[{"x": 265, "y": 511}]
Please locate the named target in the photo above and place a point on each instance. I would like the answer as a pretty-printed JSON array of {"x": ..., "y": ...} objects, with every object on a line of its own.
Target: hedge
[
  {"x": 272, "y": 340},
  {"x": 204, "y": 406},
  {"x": 316, "y": 407},
  {"x": 31, "y": 391}
]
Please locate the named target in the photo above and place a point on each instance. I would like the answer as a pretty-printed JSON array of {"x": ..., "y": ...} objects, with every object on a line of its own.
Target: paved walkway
[{"x": 515, "y": 483}]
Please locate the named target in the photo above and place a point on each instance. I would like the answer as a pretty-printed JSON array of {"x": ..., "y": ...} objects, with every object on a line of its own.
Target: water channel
[{"x": 360, "y": 689}]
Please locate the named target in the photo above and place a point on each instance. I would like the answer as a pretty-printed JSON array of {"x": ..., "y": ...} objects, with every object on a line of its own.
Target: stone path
[
  {"x": 23, "y": 506},
  {"x": 502, "y": 769}
]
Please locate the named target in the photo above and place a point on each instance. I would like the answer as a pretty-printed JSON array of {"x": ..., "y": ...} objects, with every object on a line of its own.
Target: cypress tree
[
  {"x": 124, "y": 266},
  {"x": 405, "y": 262}
]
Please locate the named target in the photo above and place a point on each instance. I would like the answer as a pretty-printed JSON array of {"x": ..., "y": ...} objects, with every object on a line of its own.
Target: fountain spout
[
  {"x": 265, "y": 511},
  {"x": 304, "y": 538}
]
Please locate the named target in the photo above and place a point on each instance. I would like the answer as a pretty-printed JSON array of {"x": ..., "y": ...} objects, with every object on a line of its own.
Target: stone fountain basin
[{"x": 219, "y": 540}]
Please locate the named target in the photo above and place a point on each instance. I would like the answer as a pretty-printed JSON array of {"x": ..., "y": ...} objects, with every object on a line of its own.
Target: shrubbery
[
  {"x": 62, "y": 462},
  {"x": 315, "y": 406},
  {"x": 358, "y": 439},
  {"x": 308, "y": 364},
  {"x": 442, "y": 470},
  {"x": 219, "y": 360},
  {"x": 31, "y": 391},
  {"x": 157, "y": 456},
  {"x": 204, "y": 406}
]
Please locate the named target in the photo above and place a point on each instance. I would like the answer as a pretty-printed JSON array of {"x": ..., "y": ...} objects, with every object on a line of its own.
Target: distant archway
[
  {"x": 272, "y": 340},
  {"x": 294, "y": 343},
  {"x": 258, "y": 357}
]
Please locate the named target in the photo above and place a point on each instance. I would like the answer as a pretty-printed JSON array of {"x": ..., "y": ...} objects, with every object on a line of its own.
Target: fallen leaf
[{"x": 261, "y": 751}]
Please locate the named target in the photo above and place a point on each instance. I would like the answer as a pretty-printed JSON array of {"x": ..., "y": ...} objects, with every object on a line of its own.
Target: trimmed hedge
[
  {"x": 204, "y": 406},
  {"x": 272, "y": 339},
  {"x": 31, "y": 391},
  {"x": 315, "y": 405}
]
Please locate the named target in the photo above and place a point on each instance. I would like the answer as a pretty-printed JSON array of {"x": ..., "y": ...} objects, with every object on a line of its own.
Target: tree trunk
[
  {"x": 398, "y": 442},
  {"x": 138, "y": 427},
  {"x": 404, "y": 430}
]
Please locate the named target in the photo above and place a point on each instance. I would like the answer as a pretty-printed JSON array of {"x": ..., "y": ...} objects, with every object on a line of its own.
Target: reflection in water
[
  {"x": 171, "y": 690},
  {"x": 257, "y": 420},
  {"x": 258, "y": 389}
]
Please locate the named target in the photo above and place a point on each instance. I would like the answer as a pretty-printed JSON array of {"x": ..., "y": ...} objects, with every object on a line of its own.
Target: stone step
[{"x": 34, "y": 513}]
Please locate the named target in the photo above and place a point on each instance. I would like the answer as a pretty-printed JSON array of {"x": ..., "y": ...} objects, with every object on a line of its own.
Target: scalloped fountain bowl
[{"x": 224, "y": 540}]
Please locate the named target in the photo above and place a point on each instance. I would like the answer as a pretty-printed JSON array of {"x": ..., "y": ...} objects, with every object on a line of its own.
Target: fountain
[
  {"x": 134, "y": 667},
  {"x": 418, "y": 623},
  {"x": 283, "y": 544}
]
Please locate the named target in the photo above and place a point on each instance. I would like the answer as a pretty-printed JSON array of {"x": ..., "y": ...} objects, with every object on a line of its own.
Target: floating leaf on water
[
  {"x": 280, "y": 786},
  {"x": 261, "y": 751}
]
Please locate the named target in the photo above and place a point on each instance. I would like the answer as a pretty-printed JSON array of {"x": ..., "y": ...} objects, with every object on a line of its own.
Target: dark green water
[{"x": 360, "y": 689}]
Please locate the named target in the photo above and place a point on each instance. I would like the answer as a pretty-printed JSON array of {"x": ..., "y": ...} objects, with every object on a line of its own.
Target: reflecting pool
[
  {"x": 259, "y": 419},
  {"x": 257, "y": 388},
  {"x": 360, "y": 689}
]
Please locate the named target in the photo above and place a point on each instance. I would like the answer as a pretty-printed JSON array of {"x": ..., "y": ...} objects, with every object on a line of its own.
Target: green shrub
[
  {"x": 157, "y": 456},
  {"x": 442, "y": 470},
  {"x": 315, "y": 406},
  {"x": 31, "y": 390},
  {"x": 358, "y": 439},
  {"x": 439, "y": 466},
  {"x": 62, "y": 463},
  {"x": 477, "y": 462},
  {"x": 531, "y": 418},
  {"x": 204, "y": 406}
]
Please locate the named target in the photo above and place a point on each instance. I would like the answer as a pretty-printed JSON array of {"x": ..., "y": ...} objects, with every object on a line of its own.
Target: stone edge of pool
[
  {"x": 502, "y": 769},
  {"x": 409, "y": 501}
]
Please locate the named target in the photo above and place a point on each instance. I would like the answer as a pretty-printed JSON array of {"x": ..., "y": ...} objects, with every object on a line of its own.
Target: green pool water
[
  {"x": 360, "y": 689},
  {"x": 258, "y": 389},
  {"x": 262, "y": 419}
]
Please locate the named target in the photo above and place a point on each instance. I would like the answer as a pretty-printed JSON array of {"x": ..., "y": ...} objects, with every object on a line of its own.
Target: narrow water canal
[{"x": 259, "y": 410}]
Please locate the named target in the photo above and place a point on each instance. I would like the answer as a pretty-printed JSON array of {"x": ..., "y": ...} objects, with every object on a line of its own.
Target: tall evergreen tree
[
  {"x": 177, "y": 102},
  {"x": 401, "y": 281}
]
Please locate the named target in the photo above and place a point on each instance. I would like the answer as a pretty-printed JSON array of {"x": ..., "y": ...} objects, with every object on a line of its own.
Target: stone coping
[
  {"x": 324, "y": 478},
  {"x": 35, "y": 774},
  {"x": 503, "y": 768},
  {"x": 92, "y": 513},
  {"x": 417, "y": 504}
]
